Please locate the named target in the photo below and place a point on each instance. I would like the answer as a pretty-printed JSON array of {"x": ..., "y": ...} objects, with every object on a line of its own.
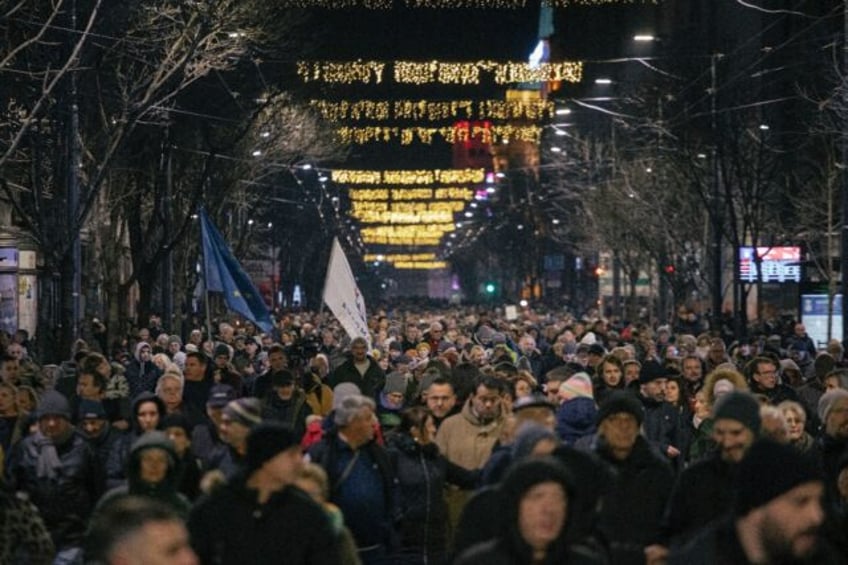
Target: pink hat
[{"x": 578, "y": 386}]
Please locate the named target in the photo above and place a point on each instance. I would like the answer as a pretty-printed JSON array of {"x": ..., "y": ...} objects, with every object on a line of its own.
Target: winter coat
[
  {"x": 292, "y": 411},
  {"x": 231, "y": 527},
  {"x": 575, "y": 418},
  {"x": 661, "y": 425},
  {"x": 499, "y": 552},
  {"x": 116, "y": 465},
  {"x": 23, "y": 537},
  {"x": 207, "y": 444},
  {"x": 65, "y": 499},
  {"x": 703, "y": 492},
  {"x": 141, "y": 376},
  {"x": 422, "y": 473},
  {"x": 165, "y": 491},
  {"x": 465, "y": 440},
  {"x": 370, "y": 384},
  {"x": 634, "y": 506}
]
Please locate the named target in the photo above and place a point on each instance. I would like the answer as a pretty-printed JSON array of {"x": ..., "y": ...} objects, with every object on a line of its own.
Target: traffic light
[
  {"x": 669, "y": 269},
  {"x": 490, "y": 288}
]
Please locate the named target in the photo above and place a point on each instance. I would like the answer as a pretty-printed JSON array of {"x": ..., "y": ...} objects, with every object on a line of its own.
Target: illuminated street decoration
[
  {"x": 488, "y": 134},
  {"x": 429, "y": 110},
  {"x": 396, "y": 194},
  {"x": 414, "y": 176},
  {"x": 441, "y": 72}
]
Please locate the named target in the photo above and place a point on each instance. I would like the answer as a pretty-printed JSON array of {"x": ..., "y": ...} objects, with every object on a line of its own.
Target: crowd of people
[{"x": 444, "y": 436}]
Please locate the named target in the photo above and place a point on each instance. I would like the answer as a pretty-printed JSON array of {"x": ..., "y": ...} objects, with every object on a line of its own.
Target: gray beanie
[
  {"x": 54, "y": 403},
  {"x": 395, "y": 382},
  {"x": 828, "y": 400}
]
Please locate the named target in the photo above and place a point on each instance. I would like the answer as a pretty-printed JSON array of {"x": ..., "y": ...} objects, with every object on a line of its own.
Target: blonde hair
[{"x": 316, "y": 474}]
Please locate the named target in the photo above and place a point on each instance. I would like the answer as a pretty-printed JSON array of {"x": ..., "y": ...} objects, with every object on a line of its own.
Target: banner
[
  {"x": 222, "y": 273},
  {"x": 342, "y": 295}
]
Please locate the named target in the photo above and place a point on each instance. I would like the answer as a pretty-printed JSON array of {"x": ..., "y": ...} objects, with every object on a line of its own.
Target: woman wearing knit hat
[{"x": 577, "y": 412}]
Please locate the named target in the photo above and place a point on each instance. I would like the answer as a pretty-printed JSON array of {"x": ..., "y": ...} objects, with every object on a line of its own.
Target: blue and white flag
[{"x": 342, "y": 295}]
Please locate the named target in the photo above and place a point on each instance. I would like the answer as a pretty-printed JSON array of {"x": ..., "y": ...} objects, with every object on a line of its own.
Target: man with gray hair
[{"x": 361, "y": 476}]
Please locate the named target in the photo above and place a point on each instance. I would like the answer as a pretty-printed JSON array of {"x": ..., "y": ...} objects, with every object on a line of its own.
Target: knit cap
[
  {"x": 246, "y": 411},
  {"x": 621, "y": 401},
  {"x": 266, "y": 441},
  {"x": 220, "y": 395},
  {"x": 768, "y": 471},
  {"x": 578, "y": 386},
  {"x": 739, "y": 406},
  {"x": 342, "y": 391},
  {"x": 177, "y": 420},
  {"x": 91, "y": 410},
  {"x": 829, "y": 400},
  {"x": 222, "y": 349},
  {"x": 528, "y": 437},
  {"x": 722, "y": 387},
  {"x": 395, "y": 382},
  {"x": 54, "y": 403},
  {"x": 651, "y": 371}
]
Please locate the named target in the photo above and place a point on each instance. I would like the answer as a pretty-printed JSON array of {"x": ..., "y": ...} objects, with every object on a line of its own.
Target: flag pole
[
  {"x": 327, "y": 277},
  {"x": 205, "y": 283}
]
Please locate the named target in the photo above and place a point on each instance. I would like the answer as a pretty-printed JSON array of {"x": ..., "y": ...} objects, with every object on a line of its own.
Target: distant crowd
[{"x": 444, "y": 436}]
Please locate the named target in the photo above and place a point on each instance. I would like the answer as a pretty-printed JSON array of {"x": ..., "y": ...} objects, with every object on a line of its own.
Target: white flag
[{"x": 343, "y": 297}]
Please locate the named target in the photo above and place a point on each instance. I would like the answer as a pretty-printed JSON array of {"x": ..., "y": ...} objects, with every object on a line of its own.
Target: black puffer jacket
[
  {"x": 66, "y": 499},
  {"x": 422, "y": 472}
]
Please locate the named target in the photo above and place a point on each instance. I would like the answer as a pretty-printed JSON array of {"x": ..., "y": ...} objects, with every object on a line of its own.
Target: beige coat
[{"x": 464, "y": 440}]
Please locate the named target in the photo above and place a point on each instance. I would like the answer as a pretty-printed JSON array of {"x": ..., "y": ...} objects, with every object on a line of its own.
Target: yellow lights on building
[
  {"x": 428, "y": 110},
  {"x": 407, "y": 135},
  {"x": 407, "y": 177},
  {"x": 441, "y": 72},
  {"x": 397, "y": 194}
]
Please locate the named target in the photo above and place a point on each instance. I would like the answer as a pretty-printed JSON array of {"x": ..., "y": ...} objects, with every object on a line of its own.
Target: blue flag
[{"x": 222, "y": 273}]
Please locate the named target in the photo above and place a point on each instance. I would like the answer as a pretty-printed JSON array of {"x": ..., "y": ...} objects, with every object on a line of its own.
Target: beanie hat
[
  {"x": 651, "y": 371},
  {"x": 175, "y": 339},
  {"x": 621, "y": 401},
  {"x": 91, "y": 410},
  {"x": 222, "y": 349},
  {"x": 246, "y": 411},
  {"x": 528, "y": 437},
  {"x": 828, "y": 401},
  {"x": 427, "y": 379},
  {"x": 395, "y": 382},
  {"x": 533, "y": 401},
  {"x": 282, "y": 378},
  {"x": 54, "y": 403},
  {"x": 220, "y": 395},
  {"x": 769, "y": 470},
  {"x": 176, "y": 420},
  {"x": 578, "y": 386},
  {"x": 266, "y": 441},
  {"x": 342, "y": 391},
  {"x": 597, "y": 349},
  {"x": 739, "y": 406}
]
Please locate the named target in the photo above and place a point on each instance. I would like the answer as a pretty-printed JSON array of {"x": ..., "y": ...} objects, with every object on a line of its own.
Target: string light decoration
[
  {"x": 442, "y": 72},
  {"x": 405, "y": 218},
  {"x": 365, "y": 207},
  {"x": 433, "y": 111},
  {"x": 409, "y": 177},
  {"x": 406, "y": 136},
  {"x": 447, "y": 4},
  {"x": 420, "y": 265},
  {"x": 396, "y": 257},
  {"x": 400, "y": 194}
]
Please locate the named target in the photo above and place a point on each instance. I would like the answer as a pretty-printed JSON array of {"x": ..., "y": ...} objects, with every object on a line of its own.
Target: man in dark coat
[
  {"x": 259, "y": 517},
  {"x": 661, "y": 427},
  {"x": 633, "y": 508},
  {"x": 360, "y": 370},
  {"x": 58, "y": 469}
]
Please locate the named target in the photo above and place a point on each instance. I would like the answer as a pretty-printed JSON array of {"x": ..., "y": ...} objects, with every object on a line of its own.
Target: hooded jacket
[
  {"x": 165, "y": 491},
  {"x": 117, "y": 462},
  {"x": 141, "y": 375}
]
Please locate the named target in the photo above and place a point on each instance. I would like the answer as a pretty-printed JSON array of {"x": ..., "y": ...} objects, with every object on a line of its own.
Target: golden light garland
[
  {"x": 405, "y": 177},
  {"x": 398, "y": 194},
  {"x": 420, "y": 265},
  {"x": 441, "y": 72},
  {"x": 427, "y": 110},
  {"x": 446, "y": 4},
  {"x": 405, "y": 218},
  {"x": 412, "y": 231},
  {"x": 365, "y": 207},
  {"x": 395, "y": 257},
  {"x": 406, "y": 136}
]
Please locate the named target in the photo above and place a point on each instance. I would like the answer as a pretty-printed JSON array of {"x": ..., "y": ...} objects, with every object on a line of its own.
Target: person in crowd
[
  {"x": 778, "y": 520},
  {"x": 286, "y": 402},
  {"x": 153, "y": 471},
  {"x": 662, "y": 421},
  {"x": 148, "y": 411},
  {"x": 440, "y": 398},
  {"x": 796, "y": 421},
  {"x": 609, "y": 376},
  {"x": 763, "y": 374},
  {"x": 363, "y": 478},
  {"x": 23, "y": 537},
  {"x": 577, "y": 413},
  {"x": 178, "y": 430},
  {"x": 360, "y": 370},
  {"x": 238, "y": 417},
  {"x": 95, "y": 427},
  {"x": 223, "y": 370},
  {"x": 692, "y": 371},
  {"x": 58, "y": 471},
  {"x": 319, "y": 395},
  {"x": 169, "y": 389},
  {"x": 537, "y": 496},
  {"x": 205, "y": 440},
  {"x": 632, "y": 511},
  {"x": 704, "y": 491},
  {"x": 832, "y": 441},
  {"x": 138, "y": 530},
  {"x": 422, "y": 474},
  {"x": 141, "y": 373}
]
